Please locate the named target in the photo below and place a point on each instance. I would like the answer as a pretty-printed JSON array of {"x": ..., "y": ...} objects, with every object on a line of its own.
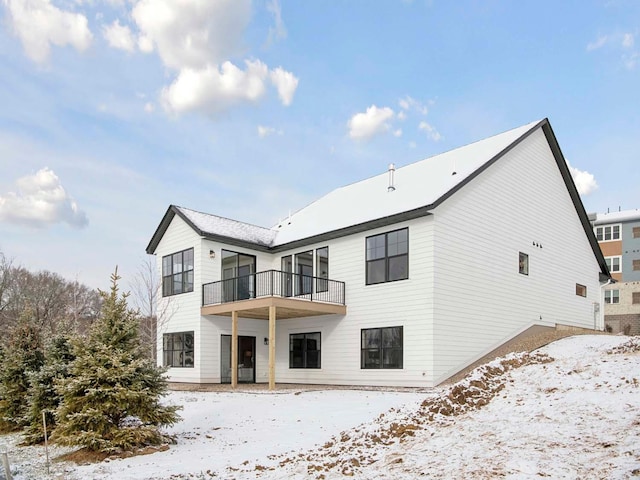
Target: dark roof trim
[
  {"x": 411, "y": 214},
  {"x": 575, "y": 197},
  {"x": 350, "y": 230},
  {"x": 172, "y": 211}
]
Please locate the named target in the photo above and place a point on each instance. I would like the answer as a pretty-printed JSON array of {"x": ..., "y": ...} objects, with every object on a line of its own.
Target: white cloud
[
  {"x": 266, "y": 131},
  {"x": 149, "y": 107},
  {"x": 40, "y": 201},
  {"x": 585, "y": 181},
  {"x": 39, "y": 24},
  {"x": 409, "y": 103},
  {"x": 397, "y": 133},
  {"x": 432, "y": 133},
  {"x": 145, "y": 44},
  {"x": 286, "y": 83},
  {"x": 600, "y": 42},
  {"x": 119, "y": 36},
  {"x": 374, "y": 121},
  {"x": 628, "y": 40},
  {"x": 213, "y": 89},
  {"x": 630, "y": 61},
  {"x": 402, "y": 115},
  {"x": 194, "y": 34},
  {"x": 278, "y": 31}
]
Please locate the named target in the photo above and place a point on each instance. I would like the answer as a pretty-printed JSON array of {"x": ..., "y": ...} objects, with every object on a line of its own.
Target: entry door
[{"x": 246, "y": 359}]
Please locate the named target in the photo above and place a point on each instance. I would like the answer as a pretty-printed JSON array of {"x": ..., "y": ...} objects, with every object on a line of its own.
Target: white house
[{"x": 401, "y": 279}]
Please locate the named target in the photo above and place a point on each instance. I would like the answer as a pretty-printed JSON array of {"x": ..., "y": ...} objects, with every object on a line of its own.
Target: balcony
[{"x": 293, "y": 294}]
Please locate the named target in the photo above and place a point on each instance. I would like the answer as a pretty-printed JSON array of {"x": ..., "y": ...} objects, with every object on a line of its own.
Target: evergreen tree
[
  {"x": 22, "y": 356},
  {"x": 111, "y": 400},
  {"x": 43, "y": 396}
]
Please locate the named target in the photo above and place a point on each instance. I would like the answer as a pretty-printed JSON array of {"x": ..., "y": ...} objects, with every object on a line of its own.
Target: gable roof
[{"x": 419, "y": 188}]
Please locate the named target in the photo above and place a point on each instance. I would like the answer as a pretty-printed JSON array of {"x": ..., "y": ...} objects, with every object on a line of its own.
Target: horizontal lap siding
[
  {"x": 482, "y": 300},
  {"x": 406, "y": 303},
  {"x": 183, "y": 311}
]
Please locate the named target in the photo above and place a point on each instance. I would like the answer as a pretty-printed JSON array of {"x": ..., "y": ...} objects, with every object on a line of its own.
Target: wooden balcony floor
[{"x": 258, "y": 308}]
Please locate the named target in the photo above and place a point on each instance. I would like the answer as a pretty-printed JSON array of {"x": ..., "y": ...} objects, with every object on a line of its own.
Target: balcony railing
[{"x": 273, "y": 283}]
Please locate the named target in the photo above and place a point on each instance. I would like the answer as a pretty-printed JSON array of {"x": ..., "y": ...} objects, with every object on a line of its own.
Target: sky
[{"x": 112, "y": 110}]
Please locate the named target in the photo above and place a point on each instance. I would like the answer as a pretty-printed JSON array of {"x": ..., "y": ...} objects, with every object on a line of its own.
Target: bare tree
[{"x": 155, "y": 311}]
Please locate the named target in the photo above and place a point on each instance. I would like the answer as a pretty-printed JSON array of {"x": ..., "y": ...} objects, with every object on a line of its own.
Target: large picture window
[
  {"x": 177, "y": 273},
  {"x": 388, "y": 257},
  {"x": 381, "y": 347},
  {"x": 177, "y": 349},
  {"x": 304, "y": 350}
]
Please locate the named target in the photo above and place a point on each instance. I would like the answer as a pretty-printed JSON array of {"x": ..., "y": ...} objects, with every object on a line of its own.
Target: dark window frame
[
  {"x": 581, "y": 290},
  {"x": 172, "y": 278},
  {"x": 184, "y": 348},
  {"x": 305, "y": 363},
  {"x": 380, "y": 349},
  {"x": 387, "y": 258},
  {"x": 635, "y": 298},
  {"x": 523, "y": 263},
  {"x": 322, "y": 277}
]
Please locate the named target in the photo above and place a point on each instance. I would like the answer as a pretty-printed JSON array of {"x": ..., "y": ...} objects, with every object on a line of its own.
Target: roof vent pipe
[{"x": 392, "y": 171}]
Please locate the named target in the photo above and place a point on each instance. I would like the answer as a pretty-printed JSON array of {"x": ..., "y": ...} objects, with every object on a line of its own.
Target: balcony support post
[
  {"x": 234, "y": 349},
  {"x": 272, "y": 347}
]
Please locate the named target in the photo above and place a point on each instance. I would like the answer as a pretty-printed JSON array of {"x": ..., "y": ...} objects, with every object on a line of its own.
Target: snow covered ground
[{"x": 576, "y": 416}]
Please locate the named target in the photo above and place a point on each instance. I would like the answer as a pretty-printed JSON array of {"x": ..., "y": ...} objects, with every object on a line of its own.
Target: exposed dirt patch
[
  {"x": 84, "y": 456},
  {"x": 631, "y": 346}
]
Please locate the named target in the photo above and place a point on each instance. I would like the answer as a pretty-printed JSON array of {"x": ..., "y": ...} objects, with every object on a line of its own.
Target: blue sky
[{"x": 111, "y": 110}]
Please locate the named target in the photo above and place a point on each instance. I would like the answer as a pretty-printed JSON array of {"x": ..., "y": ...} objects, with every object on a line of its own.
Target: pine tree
[
  {"x": 42, "y": 395},
  {"x": 22, "y": 356},
  {"x": 111, "y": 400}
]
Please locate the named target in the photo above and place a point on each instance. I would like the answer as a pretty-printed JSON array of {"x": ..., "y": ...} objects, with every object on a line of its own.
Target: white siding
[
  {"x": 481, "y": 299},
  {"x": 183, "y": 310},
  {"x": 406, "y": 303}
]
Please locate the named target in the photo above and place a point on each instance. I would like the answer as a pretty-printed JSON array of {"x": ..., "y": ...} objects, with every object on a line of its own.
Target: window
[
  {"x": 304, "y": 350},
  {"x": 177, "y": 349},
  {"x": 177, "y": 273},
  {"x": 636, "y": 232},
  {"x": 581, "y": 290},
  {"x": 613, "y": 263},
  {"x": 388, "y": 257},
  {"x": 381, "y": 348},
  {"x": 635, "y": 297},
  {"x": 238, "y": 276},
  {"x": 322, "y": 269},
  {"x": 523, "y": 263},
  {"x": 608, "y": 233},
  {"x": 612, "y": 296},
  {"x": 636, "y": 264}
]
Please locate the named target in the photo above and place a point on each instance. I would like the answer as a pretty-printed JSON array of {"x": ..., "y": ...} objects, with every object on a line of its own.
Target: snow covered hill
[{"x": 570, "y": 410}]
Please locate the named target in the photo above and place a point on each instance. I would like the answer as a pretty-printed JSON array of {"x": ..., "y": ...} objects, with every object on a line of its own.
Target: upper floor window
[
  {"x": 177, "y": 273},
  {"x": 388, "y": 257},
  {"x": 614, "y": 263},
  {"x": 636, "y": 232},
  {"x": 581, "y": 290},
  {"x": 635, "y": 297},
  {"x": 523, "y": 263},
  {"x": 612, "y": 296},
  {"x": 608, "y": 233},
  {"x": 636, "y": 264}
]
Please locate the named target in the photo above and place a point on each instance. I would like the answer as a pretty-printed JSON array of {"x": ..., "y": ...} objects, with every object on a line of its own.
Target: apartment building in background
[{"x": 618, "y": 234}]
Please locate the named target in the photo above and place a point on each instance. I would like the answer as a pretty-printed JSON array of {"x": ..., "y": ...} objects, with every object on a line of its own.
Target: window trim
[
  {"x": 381, "y": 349},
  {"x": 609, "y": 297},
  {"x": 601, "y": 237},
  {"x": 611, "y": 258},
  {"x": 183, "y": 351},
  {"x": 304, "y": 351},
  {"x": 168, "y": 283},
  {"x": 386, "y": 257}
]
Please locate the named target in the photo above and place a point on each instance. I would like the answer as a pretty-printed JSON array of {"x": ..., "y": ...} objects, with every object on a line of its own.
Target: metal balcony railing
[{"x": 273, "y": 283}]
